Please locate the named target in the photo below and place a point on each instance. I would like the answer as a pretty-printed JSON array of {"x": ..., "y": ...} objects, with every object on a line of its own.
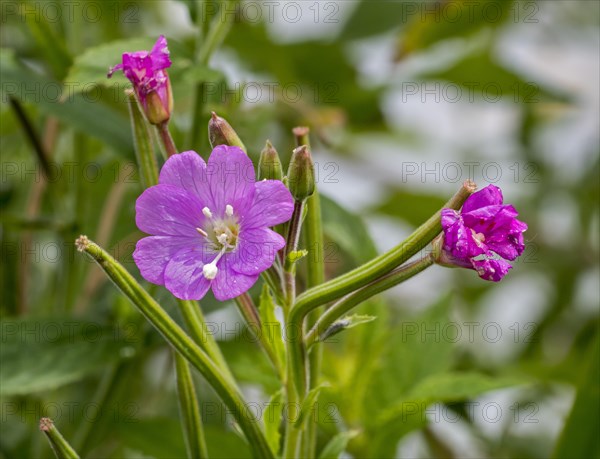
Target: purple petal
[
  {"x": 152, "y": 254},
  {"x": 272, "y": 205},
  {"x": 492, "y": 269},
  {"x": 183, "y": 275},
  {"x": 188, "y": 170},
  {"x": 166, "y": 210},
  {"x": 502, "y": 231},
  {"x": 160, "y": 54},
  {"x": 228, "y": 284},
  {"x": 231, "y": 177},
  {"x": 458, "y": 238},
  {"x": 256, "y": 251},
  {"x": 489, "y": 196}
]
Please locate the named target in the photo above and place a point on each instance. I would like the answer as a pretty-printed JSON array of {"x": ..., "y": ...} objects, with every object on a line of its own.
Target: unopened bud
[
  {"x": 301, "y": 174},
  {"x": 269, "y": 164},
  {"x": 158, "y": 104},
  {"x": 220, "y": 132}
]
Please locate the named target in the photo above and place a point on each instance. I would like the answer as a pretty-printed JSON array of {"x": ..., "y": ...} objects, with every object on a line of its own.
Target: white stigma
[
  {"x": 229, "y": 210},
  {"x": 222, "y": 238},
  {"x": 210, "y": 270},
  {"x": 207, "y": 213}
]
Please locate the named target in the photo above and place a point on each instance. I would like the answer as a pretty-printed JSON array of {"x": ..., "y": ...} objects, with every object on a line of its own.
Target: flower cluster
[
  {"x": 209, "y": 225},
  {"x": 483, "y": 235}
]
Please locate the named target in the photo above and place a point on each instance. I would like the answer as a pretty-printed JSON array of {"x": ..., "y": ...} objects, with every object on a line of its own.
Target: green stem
[
  {"x": 248, "y": 311},
  {"x": 341, "y": 307},
  {"x": 166, "y": 139},
  {"x": 142, "y": 142},
  {"x": 59, "y": 445},
  {"x": 292, "y": 432},
  {"x": 292, "y": 245},
  {"x": 196, "y": 326},
  {"x": 195, "y": 440},
  {"x": 176, "y": 337},
  {"x": 361, "y": 276}
]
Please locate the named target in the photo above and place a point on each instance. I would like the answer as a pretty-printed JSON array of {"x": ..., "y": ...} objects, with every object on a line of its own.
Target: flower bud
[
  {"x": 220, "y": 132},
  {"x": 269, "y": 164},
  {"x": 158, "y": 109},
  {"x": 301, "y": 174}
]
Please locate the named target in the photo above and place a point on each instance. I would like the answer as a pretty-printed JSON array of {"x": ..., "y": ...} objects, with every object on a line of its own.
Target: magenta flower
[
  {"x": 209, "y": 225},
  {"x": 146, "y": 71},
  {"x": 483, "y": 235}
]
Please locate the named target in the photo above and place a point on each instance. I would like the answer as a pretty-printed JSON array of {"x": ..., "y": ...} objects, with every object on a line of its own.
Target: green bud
[
  {"x": 301, "y": 135},
  {"x": 269, "y": 164},
  {"x": 220, "y": 132},
  {"x": 301, "y": 174},
  {"x": 157, "y": 110}
]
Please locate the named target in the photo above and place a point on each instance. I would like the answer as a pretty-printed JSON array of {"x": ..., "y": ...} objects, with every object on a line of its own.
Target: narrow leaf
[
  {"x": 271, "y": 328},
  {"x": 308, "y": 404},
  {"x": 337, "y": 445},
  {"x": 272, "y": 420}
]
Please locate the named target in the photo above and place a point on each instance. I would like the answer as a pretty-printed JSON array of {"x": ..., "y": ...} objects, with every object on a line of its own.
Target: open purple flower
[
  {"x": 210, "y": 225},
  {"x": 483, "y": 235},
  {"x": 146, "y": 71}
]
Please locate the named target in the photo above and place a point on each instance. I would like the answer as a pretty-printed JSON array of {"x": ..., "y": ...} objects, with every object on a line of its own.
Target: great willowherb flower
[
  {"x": 146, "y": 71},
  {"x": 482, "y": 236},
  {"x": 210, "y": 225}
]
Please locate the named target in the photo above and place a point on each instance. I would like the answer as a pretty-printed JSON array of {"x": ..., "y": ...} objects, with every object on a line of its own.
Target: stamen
[
  {"x": 202, "y": 232},
  {"x": 207, "y": 213},
  {"x": 229, "y": 210}
]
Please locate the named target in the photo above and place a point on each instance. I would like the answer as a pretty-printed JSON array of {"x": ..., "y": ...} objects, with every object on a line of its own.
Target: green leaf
[
  {"x": 337, "y": 444},
  {"x": 87, "y": 115},
  {"x": 409, "y": 413},
  {"x": 157, "y": 437},
  {"x": 374, "y": 18},
  {"x": 579, "y": 439},
  {"x": 493, "y": 80},
  {"x": 411, "y": 207},
  {"x": 445, "y": 21},
  {"x": 271, "y": 328},
  {"x": 91, "y": 67},
  {"x": 272, "y": 420},
  {"x": 40, "y": 355},
  {"x": 346, "y": 323},
  {"x": 308, "y": 404}
]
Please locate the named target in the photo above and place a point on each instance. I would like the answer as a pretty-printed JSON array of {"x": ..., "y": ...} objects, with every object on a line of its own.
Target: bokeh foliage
[{"x": 72, "y": 347}]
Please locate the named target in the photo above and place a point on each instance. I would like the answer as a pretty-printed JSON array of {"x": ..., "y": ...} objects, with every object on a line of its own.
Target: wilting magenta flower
[
  {"x": 146, "y": 71},
  {"x": 483, "y": 235},
  {"x": 210, "y": 225}
]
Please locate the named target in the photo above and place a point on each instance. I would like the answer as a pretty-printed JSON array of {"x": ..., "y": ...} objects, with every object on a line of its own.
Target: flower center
[{"x": 221, "y": 234}]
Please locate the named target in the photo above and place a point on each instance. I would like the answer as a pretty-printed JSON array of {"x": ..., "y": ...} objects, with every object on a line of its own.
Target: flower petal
[
  {"x": 458, "y": 238},
  {"x": 188, "y": 170},
  {"x": 183, "y": 275},
  {"x": 228, "y": 284},
  {"x": 256, "y": 251},
  {"x": 272, "y": 205},
  {"x": 166, "y": 210},
  {"x": 231, "y": 178},
  {"x": 160, "y": 54},
  {"x": 502, "y": 231},
  {"x": 491, "y": 195},
  {"x": 152, "y": 254},
  {"x": 490, "y": 268}
]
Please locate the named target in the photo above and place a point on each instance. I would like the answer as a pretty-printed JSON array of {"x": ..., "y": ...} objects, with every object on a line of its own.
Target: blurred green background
[{"x": 405, "y": 100}]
